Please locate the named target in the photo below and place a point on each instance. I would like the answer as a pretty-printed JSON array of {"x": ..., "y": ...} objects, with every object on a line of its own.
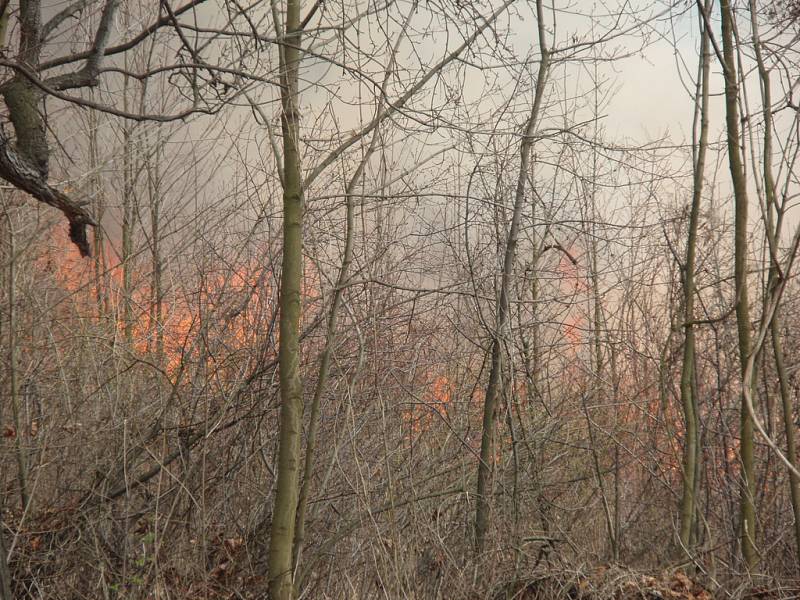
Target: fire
[
  {"x": 573, "y": 279},
  {"x": 226, "y": 308},
  {"x": 431, "y": 406},
  {"x": 573, "y": 283}
]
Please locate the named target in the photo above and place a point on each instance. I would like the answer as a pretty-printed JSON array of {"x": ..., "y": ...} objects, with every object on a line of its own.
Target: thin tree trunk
[
  {"x": 615, "y": 379},
  {"x": 748, "y": 511},
  {"x": 773, "y": 237},
  {"x": 291, "y": 386},
  {"x": 13, "y": 375},
  {"x": 688, "y": 508},
  {"x": 128, "y": 213},
  {"x": 597, "y": 318},
  {"x": 495, "y": 373},
  {"x": 333, "y": 314},
  {"x": 598, "y": 473},
  {"x": 156, "y": 320},
  {"x": 788, "y": 423},
  {"x": 322, "y": 377},
  {"x": 101, "y": 276},
  {"x": 5, "y": 574}
]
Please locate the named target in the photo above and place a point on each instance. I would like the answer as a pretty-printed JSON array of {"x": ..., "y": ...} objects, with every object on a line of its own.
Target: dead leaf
[{"x": 233, "y": 544}]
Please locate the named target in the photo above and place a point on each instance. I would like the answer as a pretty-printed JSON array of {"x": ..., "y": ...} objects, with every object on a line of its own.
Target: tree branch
[
  {"x": 62, "y": 16},
  {"x": 88, "y": 75},
  {"x": 124, "y": 47},
  {"x": 18, "y": 170}
]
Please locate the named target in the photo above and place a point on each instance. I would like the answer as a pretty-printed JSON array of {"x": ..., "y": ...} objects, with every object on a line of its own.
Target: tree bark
[
  {"x": 26, "y": 165},
  {"x": 688, "y": 509},
  {"x": 748, "y": 485},
  {"x": 291, "y": 387}
]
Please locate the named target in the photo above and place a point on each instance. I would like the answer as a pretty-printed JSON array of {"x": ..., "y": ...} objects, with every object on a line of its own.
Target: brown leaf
[
  {"x": 680, "y": 580},
  {"x": 220, "y": 571},
  {"x": 233, "y": 544}
]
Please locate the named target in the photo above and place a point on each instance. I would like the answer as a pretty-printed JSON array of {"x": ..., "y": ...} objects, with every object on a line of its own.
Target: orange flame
[{"x": 230, "y": 308}]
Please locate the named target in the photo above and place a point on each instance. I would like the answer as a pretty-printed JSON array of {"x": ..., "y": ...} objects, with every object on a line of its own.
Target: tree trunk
[
  {"x": 773, "y": 238},
  {"x": 156, "y": 319},
  {"x": 291, "y": 386},
  {"x": 688, "y": 509},
  {"x": 13, "y": 374},
  {"x": 495, "y": 373},
  {"x": 128, "y": 209},
  {"x": 101, "y": 274},
  {"x": 748, "y": 511},
  {"x": 5, "y": 574}
]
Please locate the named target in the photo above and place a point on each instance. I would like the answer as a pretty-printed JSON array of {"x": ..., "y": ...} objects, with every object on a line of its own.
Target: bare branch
[
  {"x": 18, "y": 170},
  {"x": 124, "y": 47},
  {"x": 62, "y": 16},
  {"x": 403, "y": 100}
]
